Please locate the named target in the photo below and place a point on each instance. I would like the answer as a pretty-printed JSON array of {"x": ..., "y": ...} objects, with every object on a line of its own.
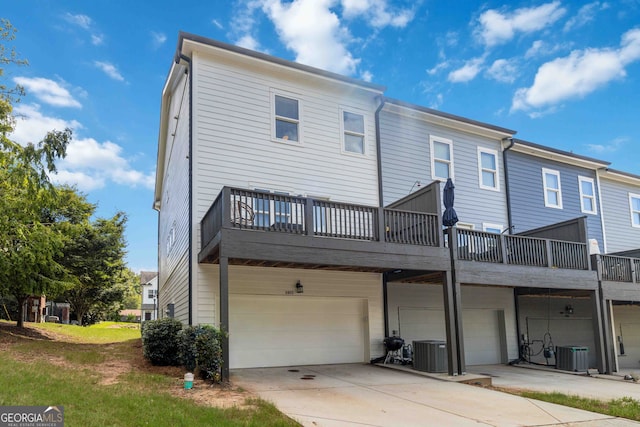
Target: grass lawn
[
  {"x": 98, "y": 374},
  {"x": 625, "y": 407}
]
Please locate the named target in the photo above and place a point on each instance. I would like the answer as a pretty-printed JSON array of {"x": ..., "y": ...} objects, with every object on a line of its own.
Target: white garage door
[
  {"x": 295, "y": 330},
  {"x": 480, "y": 329},
  {"x": 481, "y": 337}
]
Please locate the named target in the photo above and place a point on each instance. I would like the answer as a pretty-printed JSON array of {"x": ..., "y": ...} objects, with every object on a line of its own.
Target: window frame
[
  {"x": 481, "y": 169},
  {"x": 432, "y": 140},
  {"x": 582, "y": 179},
  {"x": 632, "y": 211},
  {"x": 344, "y": 131},
  {"x": 546, "y": 188},
  {"x": 486, "y": 225},
  {"x": 274, "y": 117}
]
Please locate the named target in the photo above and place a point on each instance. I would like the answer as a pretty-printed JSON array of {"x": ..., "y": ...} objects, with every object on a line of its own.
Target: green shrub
[
  {"x": 209, "y": 353},
  {"x": 201, "y": 350},
  {"x": 160, "y": 343}
]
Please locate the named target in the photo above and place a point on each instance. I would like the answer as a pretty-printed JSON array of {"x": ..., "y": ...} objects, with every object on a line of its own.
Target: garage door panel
[{"x": 295, "y": 330}]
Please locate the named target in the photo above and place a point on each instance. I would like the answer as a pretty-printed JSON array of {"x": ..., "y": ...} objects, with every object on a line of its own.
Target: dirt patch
[{"x": 120, "y": 358}]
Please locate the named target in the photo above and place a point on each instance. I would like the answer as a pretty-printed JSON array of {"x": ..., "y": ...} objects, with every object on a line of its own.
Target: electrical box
[
  {"x": 430, "y": 356},
  {"x": 572, "y": 358}
]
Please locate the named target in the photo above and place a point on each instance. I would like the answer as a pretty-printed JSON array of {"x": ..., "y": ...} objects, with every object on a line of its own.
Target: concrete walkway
[{"x": 366, "y": 395}]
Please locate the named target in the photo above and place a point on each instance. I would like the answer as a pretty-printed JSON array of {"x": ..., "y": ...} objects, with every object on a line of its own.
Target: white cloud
[
  {"x": 109, "y": 69},
  {"x": 496, "y": 27},
  {"x": 81, "y": 180},
  {"x": 467, "y": 72},
  {"x": 609, "y": 147},
  {"x": 89, "y": 164},
  {"x": 86, "y": 23},
  {"x": 586, "y": 14},
  {"x": 503, "y": 70},
  {"x": 82, "y": 21},
  {"x": 248, "y": 42},
  {"x": 158, "y": 39},
  {"x": 97, "y": 39},
  {"x": 47, "y": 91},
  {"x": 311, "y": 30},
  {"x": 217, "y": 24},
  {"x": 578, "y": 74},
  {"x": 366, "y": 76},
  {"x": 377, "y": 13},
  {"x": 32, "y": 126},
  {"x": 441, "y": 66}
]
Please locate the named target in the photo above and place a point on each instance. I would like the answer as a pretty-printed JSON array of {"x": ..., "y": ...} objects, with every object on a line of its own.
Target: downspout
[
  {"x": 505, "y": 167},
  {"x": 190, "y": 71},
  {"x": 385, "y": 298}
]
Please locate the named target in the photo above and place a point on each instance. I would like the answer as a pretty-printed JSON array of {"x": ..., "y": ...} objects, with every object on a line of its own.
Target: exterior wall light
[{"x": 299, "y": 287}]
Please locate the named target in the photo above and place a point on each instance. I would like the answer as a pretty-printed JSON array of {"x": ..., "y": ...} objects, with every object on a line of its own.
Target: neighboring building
[
  {"x": 301, "y": 211},
  {"x": 619, "y": 270},
  {"x": 130, "y": 315},
  {"x": 149, "y": 289},
  {"x": 34, "y": 309},
  {"x": 60, "y": 310}
]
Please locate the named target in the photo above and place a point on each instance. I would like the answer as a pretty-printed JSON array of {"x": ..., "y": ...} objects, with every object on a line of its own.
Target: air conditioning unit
[
  {"x": 430, "y": 356},
  {"x": 572, "y": 358}
]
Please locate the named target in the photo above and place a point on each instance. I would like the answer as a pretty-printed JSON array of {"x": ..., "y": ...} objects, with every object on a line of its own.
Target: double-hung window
[
  {"x": 287, "y": 118},
  {"x": 634, "y": 204},
  {"x": 441, "y": 158},
  {"x": 552, "y": 188},
  {"x": 488, "y": 169},
  {"x": 587, "y": 195},
  {"x": 353, "y": 132}
]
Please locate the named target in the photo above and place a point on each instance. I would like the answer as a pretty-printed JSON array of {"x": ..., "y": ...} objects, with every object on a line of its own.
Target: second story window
[
  {"x": 287, "y": 118},
  {"x": 488, "y": 168},
  {"x": 353, "y": 132},
  {"x": 441, "y": 158},
  {"x": 587, "y": 195},
  {"x": 634, "y": 202},
  {"x": 552, "y": 190}
]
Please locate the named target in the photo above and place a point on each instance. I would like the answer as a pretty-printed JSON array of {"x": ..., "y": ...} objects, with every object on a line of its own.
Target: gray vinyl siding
[
  {"x": 621, "y": 235},
  {"x": 174, "y": 213},
  {"x": 406, "y": 158},
  {"x": 527, "y": 194}
]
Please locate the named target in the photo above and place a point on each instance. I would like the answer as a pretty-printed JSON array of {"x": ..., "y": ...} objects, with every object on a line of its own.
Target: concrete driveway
[
  {"x": 367, "y": 395},
  {"x": 604, "y": 387}
]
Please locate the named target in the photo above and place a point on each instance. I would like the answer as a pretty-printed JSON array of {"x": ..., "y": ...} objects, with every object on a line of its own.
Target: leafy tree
[
  {"x": 94, "y": 259},
  {"x": 133, "y": 289},
  {"x": 28, "y": 246}
]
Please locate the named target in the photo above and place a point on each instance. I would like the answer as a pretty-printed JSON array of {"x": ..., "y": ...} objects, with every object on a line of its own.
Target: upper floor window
[
  {"x": 441, "y": 158},
  {"x": 552, "y": 190},
  {"x": 488, "y": 168},
  {"x": 634, "y": 203},
  {"x": 287, "y": 118},
  {"x": 353, "y": 132},
  {"x": 587, "y": 195},
  {"x": 151, "y": 293}
]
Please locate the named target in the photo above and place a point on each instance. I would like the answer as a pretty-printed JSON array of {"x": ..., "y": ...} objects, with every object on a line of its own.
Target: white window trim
[
  {"x": 466, "y": 225},
  {"x": 494, "y": 153},
  {"x": 343, "y": 150},
  {"x": 449, "y": 142},
  {"x": 486, "y": 225},
  {"x": 272, "y": 99},
  {"x": 546, "y": 171},
  {"x": 631, "y": 210},
  {"x": 582, "y": 179}
]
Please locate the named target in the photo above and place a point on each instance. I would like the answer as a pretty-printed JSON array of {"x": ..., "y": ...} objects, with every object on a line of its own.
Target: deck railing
[
  {"x": 273, "y": 212},
  {"x": 519, "y": 250},
  {"x": 620, "y": 269}
]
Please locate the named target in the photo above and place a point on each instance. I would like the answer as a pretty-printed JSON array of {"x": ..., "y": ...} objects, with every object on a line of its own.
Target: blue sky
[{"x": 561, "y": 73}]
